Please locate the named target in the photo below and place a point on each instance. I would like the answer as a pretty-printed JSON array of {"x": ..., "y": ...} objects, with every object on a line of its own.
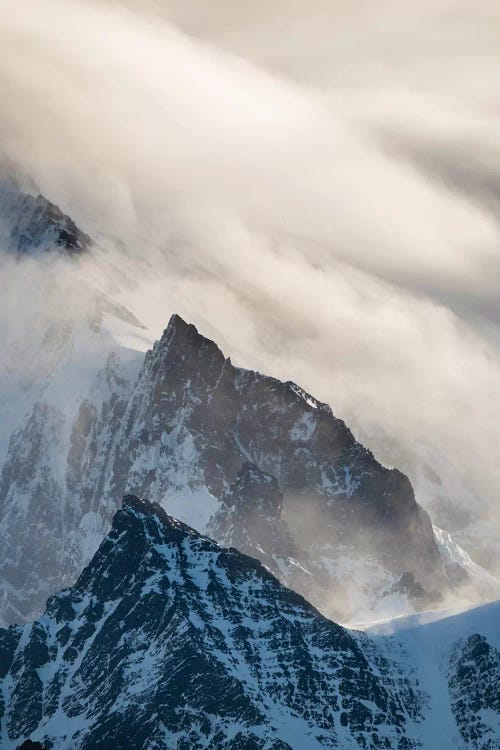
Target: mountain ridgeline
[
  {"x": 31, "y": 224},
  {"x": 214, "y": 630},
  {"x": 169, "y": 640},
  {"x": 185, "y": 432}
]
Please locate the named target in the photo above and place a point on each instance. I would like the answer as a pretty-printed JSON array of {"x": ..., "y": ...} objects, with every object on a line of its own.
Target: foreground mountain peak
[
  {"x": 169, "y": 640},
  {"x": 143, "y": 510},
  {"x": 140, "y": 540}
]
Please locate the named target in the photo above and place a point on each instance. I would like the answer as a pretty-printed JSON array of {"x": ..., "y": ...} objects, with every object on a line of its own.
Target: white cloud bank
[{"x": 313, "y": 183}]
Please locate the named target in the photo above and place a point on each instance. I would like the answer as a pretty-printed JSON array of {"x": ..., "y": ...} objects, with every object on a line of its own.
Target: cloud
[{"x": 289, "y": 177}]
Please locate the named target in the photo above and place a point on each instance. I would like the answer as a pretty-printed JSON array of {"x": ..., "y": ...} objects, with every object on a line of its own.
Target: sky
[{"x": 315, "y": 185}]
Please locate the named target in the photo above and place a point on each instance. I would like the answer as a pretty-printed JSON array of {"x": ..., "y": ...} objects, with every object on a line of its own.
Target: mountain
[
  {"x": 455, "y": 500},
  {"x": 181, "y": 432},
  {"x": 250, "y": 518},
  {"x": 46, "y": 535},
  {"x": 194, "y": 419},
  {"x": 168, "y": 640},
  {"x": 85, "y": 420},
  {"x": 31, "y": 224}
]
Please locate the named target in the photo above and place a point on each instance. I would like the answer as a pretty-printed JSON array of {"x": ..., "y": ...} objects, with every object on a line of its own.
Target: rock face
[
  {"x": 445, "y": 489},
  {"x": 474, "y": 684},
  {"x": 32, "y": 224},
  {"x": 182, "y": 433},
  {"x": 250, "y": 518},
  {"x": 169, "y": 640},
  {"x": 195, "y": 418}
]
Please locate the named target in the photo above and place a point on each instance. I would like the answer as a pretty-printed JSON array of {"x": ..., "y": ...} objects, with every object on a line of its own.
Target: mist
[{"x": 313, "y": 186}]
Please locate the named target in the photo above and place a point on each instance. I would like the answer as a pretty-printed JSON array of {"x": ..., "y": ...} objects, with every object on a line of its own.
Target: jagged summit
[
  {"x": 181, "y": 333},
  {"x": 168, "y": 640},
  {"x": 172, "y": 641},
  {"x": 31, "y": 224},
  {"x": 142, "y": 509},
  {"x": 241, "y": 415},
  {"x": 144, "y": 519},
  {"x": 183, "y": 432},
  {"x": 141, "y": 538},
  {"x": 184, "y": 336}
]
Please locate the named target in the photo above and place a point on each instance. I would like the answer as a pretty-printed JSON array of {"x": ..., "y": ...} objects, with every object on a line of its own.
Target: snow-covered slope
[
  {"x": 57, "y": 355},
  {"x": 168, "y": 640},
  {"x": 455, "y": 657},
  {"x": 47, "y": 533},
  {"x": 479, "y": 582}
]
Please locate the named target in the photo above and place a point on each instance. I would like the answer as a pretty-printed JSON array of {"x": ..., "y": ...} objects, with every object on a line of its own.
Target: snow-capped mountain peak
[
  {"x": 31, "y": 224},
  {"x": 168, "y": 640},
  {"x": 182, "y": 432}
]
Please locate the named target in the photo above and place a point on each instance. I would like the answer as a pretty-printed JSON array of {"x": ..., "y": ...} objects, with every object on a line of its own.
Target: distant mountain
[
  {"x": 31, "y": 224},
  {"x": 193, "y": 420},
  {"x": 348, "y": 528},
  {"x": 93, "y": 420},
  {"x": 57, "y": 352},
  {"x": 168, "y": 640}
]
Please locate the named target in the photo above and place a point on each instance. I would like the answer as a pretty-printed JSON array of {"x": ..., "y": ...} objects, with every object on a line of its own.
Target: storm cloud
[{"x": 314, "y": 184}]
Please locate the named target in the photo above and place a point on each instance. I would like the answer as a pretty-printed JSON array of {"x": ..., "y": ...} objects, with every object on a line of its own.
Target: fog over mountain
[
  {"x": 314, "y": 185},
  {"x": 249, "y": 375}
]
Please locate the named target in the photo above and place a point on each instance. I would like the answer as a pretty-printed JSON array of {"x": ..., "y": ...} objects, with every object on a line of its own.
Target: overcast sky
[{"x": 315, "y": 183}]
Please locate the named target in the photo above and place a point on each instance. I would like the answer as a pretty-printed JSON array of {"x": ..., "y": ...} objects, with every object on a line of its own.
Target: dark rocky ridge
[
  {"x": 36, "y": 225},
  {"x": 474, "y": 685},
  {"x": 190, "y": 422},
  {"x": 167, "y": 640},
  {"x": 334, "y": 490}
]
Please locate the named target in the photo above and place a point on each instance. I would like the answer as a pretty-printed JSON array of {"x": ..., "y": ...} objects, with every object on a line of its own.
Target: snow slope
[
  {"x": 455, "y": 656},
  {"x": 168, "y": 640}
]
